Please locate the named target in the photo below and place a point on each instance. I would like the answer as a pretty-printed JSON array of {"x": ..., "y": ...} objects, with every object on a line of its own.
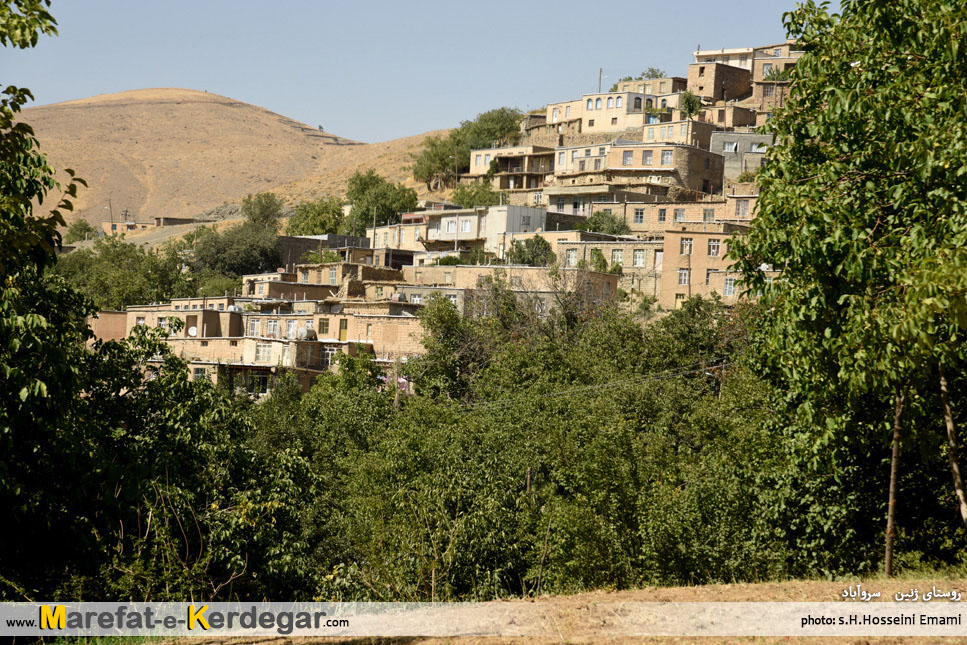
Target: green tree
[
  {"x": 650, "y": 73},
  {"x": 598, "y": 261},
  {"x": 534, "y": 251},
  {"x": 690, "y": 105},
  {"x": 371, "y": 194},
  {"x": 263, "y": 210},
  {"x": 80, "y": 230},
  {"x": 441, "y": 158},
  {"x": 865, "y": 323},
  {"x": 480, "y": 193},
  {"x": 320, "y": 256},
  {"x": 604, "y": 222},
  {"x": 319, "y": 217}
]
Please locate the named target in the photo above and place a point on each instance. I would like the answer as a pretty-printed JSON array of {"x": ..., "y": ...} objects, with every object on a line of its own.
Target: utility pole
[
  {"x": 374, "y": 228},
  {"x": 600, "y": 71}
]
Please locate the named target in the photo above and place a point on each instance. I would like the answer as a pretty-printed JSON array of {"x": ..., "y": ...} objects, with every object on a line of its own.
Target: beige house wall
[
  {"x": 685, "y": 131},
  {"x": 715, "y": 81}
]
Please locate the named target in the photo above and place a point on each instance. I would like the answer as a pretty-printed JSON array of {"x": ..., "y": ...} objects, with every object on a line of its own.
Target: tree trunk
[
  {"x": 891, "y": 505},
  {"x": 952, "y": 446}
]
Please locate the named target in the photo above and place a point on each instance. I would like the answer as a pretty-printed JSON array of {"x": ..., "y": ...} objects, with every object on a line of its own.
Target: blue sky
[{"x": 374, "y": 71}]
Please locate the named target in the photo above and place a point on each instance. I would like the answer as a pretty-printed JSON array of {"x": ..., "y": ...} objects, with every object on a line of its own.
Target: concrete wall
[
  {"x": 743, "y": 157},
  {"x": 715, "y": 81}
]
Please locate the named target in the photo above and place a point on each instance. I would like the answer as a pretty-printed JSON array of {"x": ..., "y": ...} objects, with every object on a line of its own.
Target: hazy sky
[{"x": 377, "y": 70}]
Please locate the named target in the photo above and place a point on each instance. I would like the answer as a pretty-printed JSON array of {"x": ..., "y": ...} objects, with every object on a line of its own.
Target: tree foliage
[
  {"x": 534, "y": 251},
  {"x": 480, "y": 193},
  {"x": 80, "y": 230},
  {"x": 442, "y": 158},
  {"x": 604, "y": 222},
  {"x": 371, "y": 194},
  {"x": 320, "y": 217},
  {"x": 650, "y": 73},
  {"x": 863, "y": 206},
  {"x": 690, "y": 104}
]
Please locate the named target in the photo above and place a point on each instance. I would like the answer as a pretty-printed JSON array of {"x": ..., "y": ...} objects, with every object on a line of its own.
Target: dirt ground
[{"x": 568, "y": 614}]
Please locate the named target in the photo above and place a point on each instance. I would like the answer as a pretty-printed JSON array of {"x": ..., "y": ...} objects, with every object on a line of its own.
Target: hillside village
[{"x": 648, "y": 154}]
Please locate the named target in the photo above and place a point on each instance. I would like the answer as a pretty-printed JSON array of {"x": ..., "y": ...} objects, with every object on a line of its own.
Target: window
[
  {"x": 572, "y": 257},
  {"x": 666, "y": 157},
  {"x": 729, "y": 289},
  {"x": 661, "y": 133},
  {"x": 451, "y": 226},
  {"x": 465, "y": 226},
  {"x": 385, "y": 238},
  {"x": 308, "y": 324},
  {"x": 646, "y": 157},
  {"x": 261, "y": 289},
  {"x": 448, "y": 277},
  {"x": 614, "y": 120},
  {"x": 452, "y": 298},
  {"x": 661, "y": 214},
  {"x": 742, "y": 208},
  {"x": 323, "y": 326},
  {"x": 766, "y": 69},
  {"x": 590, "y": 123},
  {"x": 177, "y": 307},
  {"x": 619, "y": 101},
  {"x": 684, "y": 130},
  {"x": 617, "y": 256},
  {"x": 713, "y": 247},
  {"x": 139, "y": 320},
  {"x": 627, "y": 157},
  {"x": 639, "y": 258},
  {"x": 597, "y": 164},
  {"x": 525, "y": 220},
  {"x": 479, "y": 159},
  {"x": 581, "y": 165},
  {"x": 730, "y": 146},
  {"x": 684, "y": 276},
  {"x": 258, "y": 384},
  {"x": 221, "y": 306},
  {"x": 554, "y": 114},
  {"x": 199, "y": 374},
  {"x": 651, "y": 134},
  {"x": 567, "y": 111},
  {"x": 332, "y": 275},
  {"x": 637, "y": 103},
  {"x": 777, "y": 52},
  {"x": 664, "y": 103},
  {"x": 659, "y": 257},
  {"x": 639, "y": 216},
  {"x": 305, "y": 276},
  {"x": 685, "y": 246},
  {"x": 379, "y": 292},
  {"x": 263, "y": 352},
  {"x": 416, "y": 299},
  {"x": 253, "y": 327},
  {"x": 590, "y": 104},
  {"x": 597, "y": 103},
  {"x": 369, "y": 330},
  {"x": 574, "y": 155},
  {"x": 708, "y": 215},
  {"x": 707, "y": 163},
  {"x": 272, "y": 328},
  {"x": 721, "y": 116},
  {"x": 610, "y": 102},
  {"x": 701, "y": 70},
  {"x": 560, "y": 158},
  {"x": 768, "y": 90},
  {"x": 328, "y": 354},
  {"x": 679, "y": 214}
]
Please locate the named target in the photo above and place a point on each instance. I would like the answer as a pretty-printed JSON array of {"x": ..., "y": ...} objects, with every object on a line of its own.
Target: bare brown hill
[{"x": 178, "y": 152}]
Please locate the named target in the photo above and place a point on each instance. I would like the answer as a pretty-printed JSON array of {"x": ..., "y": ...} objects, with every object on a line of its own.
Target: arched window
[
  {"x": 597, "y": 103},
  {"x": 610, "y": 102},
  {"x": 664, "y": 103},
  {"x": 590, "y": 104},
  {"x": 648, "y": 103},
  {"x": 619, "y": 101}
]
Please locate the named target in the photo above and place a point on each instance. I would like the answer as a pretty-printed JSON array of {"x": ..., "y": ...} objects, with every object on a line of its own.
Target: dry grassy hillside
[{"x": 182, "y": 152}]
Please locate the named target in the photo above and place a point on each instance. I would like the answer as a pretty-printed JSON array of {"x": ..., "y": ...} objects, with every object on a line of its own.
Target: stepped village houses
[{"x": 672, "y": 177}]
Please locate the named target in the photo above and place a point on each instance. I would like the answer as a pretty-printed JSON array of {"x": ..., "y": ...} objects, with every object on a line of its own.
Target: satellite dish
[{"x": 192, "y": 331}]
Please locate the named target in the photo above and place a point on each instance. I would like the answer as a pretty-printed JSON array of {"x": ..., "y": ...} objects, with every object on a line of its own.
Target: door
[{"x": 343, "y": 327}]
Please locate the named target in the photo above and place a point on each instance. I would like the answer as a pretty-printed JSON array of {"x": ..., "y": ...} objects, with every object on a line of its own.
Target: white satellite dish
[{"x": 192, "y": 331}]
